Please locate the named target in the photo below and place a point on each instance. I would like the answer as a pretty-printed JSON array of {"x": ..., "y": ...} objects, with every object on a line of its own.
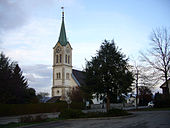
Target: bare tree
[
  {"x": 141, "y": 78},
  {"x": 158, "y": 57}
]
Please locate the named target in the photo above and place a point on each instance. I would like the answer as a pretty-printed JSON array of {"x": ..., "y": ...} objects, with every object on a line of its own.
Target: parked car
[{"x": 151, "y": 104}]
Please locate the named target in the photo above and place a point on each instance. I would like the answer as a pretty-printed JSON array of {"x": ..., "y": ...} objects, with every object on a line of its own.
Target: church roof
[
  {"x": 79, "y": 77},
  {"x": 63, "y": 38}
]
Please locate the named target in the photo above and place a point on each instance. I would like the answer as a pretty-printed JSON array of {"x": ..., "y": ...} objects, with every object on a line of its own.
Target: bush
[
  {"x": 161, "y": 100},
  {"x": 71, "y": 113},
  {"x": 21, "y": 109},
  {"x": 77, "y": 105},
  {"x": 117, "y": 112}
]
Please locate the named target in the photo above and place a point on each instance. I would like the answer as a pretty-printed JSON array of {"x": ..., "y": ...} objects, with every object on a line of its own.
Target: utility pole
[{"x": 137, "y": 78}]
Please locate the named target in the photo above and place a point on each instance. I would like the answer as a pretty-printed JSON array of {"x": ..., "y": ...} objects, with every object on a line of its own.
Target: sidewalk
[{"x": 16, "y": 119}]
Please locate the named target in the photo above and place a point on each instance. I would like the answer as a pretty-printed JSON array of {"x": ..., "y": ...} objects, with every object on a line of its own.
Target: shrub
[
  {"x": 71, "y": 113},
  {"x": 21, "y": 109},
  {"x": 117, "y": 112},
  {"x": 77, "y": 105},
  {"x": 161, "y": 100}
]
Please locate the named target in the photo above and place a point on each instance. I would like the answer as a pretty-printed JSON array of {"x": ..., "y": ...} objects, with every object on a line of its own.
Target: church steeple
[
  {"x": 62, "y": 64},
  {"x": 63, "y": 38}
]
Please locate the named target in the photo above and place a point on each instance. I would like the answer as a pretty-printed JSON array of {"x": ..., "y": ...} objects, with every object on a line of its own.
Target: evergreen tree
[
  {"x": 5, "y": 78},
  {"x": 20, "y": 84},
  {"x": 13, "y": 85},
  {"x": 107, "y": 73}
]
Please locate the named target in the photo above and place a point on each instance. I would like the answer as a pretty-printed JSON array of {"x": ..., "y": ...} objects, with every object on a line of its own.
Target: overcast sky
[{"x": 29, "y": 29}]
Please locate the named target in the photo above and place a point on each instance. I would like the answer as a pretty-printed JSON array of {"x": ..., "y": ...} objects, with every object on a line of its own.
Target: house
[
  {"x": 164, "y": 88},
  {"x": 64, "y": 77},
  {"x": 131, "y": 100}
]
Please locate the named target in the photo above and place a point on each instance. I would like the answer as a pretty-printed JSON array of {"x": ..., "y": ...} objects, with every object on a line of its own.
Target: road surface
[{"x": 142, "y": 119}]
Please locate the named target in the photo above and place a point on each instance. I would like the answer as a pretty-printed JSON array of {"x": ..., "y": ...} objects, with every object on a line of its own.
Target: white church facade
[{"x": 64, "y": 77}]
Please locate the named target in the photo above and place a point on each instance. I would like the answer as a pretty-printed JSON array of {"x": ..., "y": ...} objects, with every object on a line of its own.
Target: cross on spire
[{"x": 62, "y": 12}]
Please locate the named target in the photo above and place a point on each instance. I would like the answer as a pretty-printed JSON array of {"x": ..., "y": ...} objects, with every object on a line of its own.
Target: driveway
[{"x": 142, "y": 119}]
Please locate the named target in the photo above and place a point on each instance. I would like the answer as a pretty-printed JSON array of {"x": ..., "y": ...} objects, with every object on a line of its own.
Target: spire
[{"x": 62, "y": 38}]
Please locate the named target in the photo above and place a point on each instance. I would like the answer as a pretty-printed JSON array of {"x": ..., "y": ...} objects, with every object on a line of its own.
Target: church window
[
  {"x": 67, "y": 75},
  {"x": 66, "y": 59},
  {"x": 58, "y": 75},
  {"x": 60, "y": 58},
  {"x": 57, "y": 59}
]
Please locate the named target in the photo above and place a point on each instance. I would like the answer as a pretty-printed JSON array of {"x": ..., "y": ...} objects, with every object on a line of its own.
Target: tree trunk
[{"x": 108, "y": 103}]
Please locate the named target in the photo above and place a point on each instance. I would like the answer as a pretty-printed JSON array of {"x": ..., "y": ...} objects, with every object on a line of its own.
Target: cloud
[
  {"x": 29, "y": 30},
  {"x": 39, "y": 77},
  {"x": 33, "y": 43},
  {"x": 12, "y": 15}
]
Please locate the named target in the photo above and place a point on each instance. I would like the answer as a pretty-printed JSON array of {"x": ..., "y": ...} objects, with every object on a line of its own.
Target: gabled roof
[
  {"x": 79, "y": 77},
  {"x": 164, "y": 84}
]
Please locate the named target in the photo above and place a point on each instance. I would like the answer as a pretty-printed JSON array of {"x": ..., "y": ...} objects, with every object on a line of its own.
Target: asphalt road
[{"x": 143, "y": 119}]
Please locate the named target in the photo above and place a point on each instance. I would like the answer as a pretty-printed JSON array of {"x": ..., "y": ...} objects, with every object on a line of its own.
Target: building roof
[
  {"x": 164, "y": 84},
  {"x": 63, "y": 38},
  {"x": 53, "y": 99},
  {"x": 79, "y": 77}
]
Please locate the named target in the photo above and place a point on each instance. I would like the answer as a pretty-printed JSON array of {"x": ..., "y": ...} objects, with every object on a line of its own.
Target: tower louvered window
[
  {"x": 57, "y": 59},
  {"x": 66, "y": 59},
  {"x": 58, "y": 75},
  {"x": 60, "y": 58}
]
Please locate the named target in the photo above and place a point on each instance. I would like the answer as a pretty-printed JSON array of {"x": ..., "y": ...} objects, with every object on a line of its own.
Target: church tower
[{"x": 62, "y": 64}]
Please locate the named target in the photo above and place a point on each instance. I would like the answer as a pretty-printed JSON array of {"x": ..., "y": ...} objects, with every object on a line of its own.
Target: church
[{"x": 64, "y": 77}]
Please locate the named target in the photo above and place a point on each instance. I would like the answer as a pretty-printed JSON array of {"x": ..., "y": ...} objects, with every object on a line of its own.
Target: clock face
[{"x": 58, "y": 49}]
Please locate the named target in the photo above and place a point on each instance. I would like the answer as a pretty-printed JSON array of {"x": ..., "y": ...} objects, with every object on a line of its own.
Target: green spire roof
[{"x": 62, "y": 38}]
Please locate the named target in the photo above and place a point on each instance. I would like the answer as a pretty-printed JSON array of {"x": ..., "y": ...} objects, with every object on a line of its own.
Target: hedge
[{"x": 21, "y": 109}]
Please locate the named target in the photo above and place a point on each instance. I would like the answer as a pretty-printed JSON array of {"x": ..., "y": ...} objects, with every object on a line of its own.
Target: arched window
[
  {"x": 67, "y": 75},
  {"x": 60, "y": 58},
  {"x": 58, "y": 75},
  {"x": 57, "y": 59},
  {"x": 66, "y": 59}
]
